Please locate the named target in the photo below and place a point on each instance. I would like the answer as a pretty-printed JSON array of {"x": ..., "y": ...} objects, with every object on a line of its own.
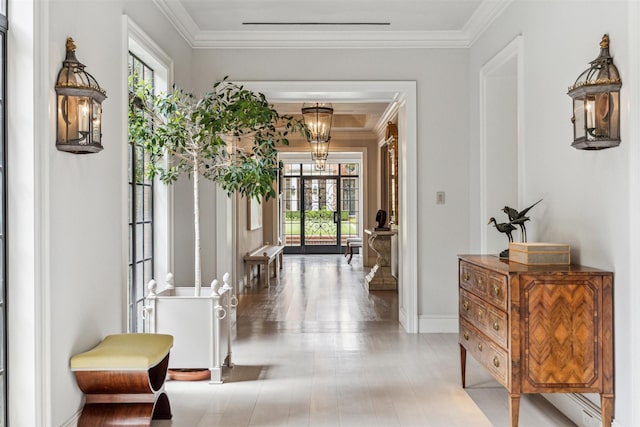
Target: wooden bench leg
[{"x": 267, "y": 274}]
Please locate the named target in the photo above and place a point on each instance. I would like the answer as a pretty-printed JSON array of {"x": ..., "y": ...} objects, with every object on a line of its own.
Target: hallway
[{"x": 317, "y": 349}]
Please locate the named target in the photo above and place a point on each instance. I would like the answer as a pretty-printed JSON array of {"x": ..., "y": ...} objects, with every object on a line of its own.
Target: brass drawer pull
[
  {"x": 496, "y": 326},
  {"x": 480, "y": 346},
  {"x": 496, "y": 361},
  {"x": 479, "y": 281},
  {"x": 466, "y": 335},
  {"x": 480, "y": 314},
  {"x": 465, "y": 305},
  {"x": 466, "y": 275},
  {"x": 496, "y": 291}
]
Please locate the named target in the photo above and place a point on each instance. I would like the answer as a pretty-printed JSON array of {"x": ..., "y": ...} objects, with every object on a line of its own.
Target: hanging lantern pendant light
[{"x": 318, "y": 118}]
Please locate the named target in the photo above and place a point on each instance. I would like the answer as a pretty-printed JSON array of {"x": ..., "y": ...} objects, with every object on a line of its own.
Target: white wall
[
  {"x": 441, "y": 76},
  {"x": 75, "y": 251},
  {"x": 585, "y": 193},
  {"x": 80, "y": 255}
]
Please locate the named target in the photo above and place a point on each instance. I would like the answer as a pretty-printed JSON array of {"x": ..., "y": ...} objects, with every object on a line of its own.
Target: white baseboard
[
  {"x": 578, "y": 409},
  {"x": 438, "y": 324}
]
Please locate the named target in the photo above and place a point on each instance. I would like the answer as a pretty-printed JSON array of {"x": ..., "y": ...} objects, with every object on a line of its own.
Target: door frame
[{"x": 404, "y": 95}]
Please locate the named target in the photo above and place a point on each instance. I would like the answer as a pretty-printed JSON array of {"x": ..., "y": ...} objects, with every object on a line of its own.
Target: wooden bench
[
  {"x": 352, "y": 242},
  {"x": 123, "y": 380},
  {"x": 264, "y": 256}
]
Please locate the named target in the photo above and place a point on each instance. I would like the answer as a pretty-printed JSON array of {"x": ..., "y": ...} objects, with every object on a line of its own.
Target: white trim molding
[
  {"x": 183, "y": 22},
  {"x": 515, "y": 49},
  {"x": 438, "y": 324}
]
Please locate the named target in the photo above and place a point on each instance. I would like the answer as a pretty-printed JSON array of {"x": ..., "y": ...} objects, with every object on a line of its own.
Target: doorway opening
[
  {"x": 321, "y": 208},
  {"x": 403, "y": 94}
]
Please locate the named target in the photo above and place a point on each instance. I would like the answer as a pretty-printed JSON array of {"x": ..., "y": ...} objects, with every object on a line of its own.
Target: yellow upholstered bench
[{"x": 123, "y": 380}]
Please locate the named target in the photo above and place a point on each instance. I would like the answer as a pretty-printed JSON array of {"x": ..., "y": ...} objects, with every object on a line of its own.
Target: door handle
[{"x": 336, "y": 217}]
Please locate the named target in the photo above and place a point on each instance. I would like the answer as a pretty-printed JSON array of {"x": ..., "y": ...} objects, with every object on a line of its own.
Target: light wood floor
[{"x": 318, "y": 349}]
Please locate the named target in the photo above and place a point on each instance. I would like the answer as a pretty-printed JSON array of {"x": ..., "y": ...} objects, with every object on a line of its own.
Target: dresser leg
[
  {"x": 606, "y": 402},
  {"x": 463, "y": 365},
  {"x": 514, "y": 408}
]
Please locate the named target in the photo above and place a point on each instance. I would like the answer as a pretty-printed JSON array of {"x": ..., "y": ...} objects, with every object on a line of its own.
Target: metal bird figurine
[
  {"x": 504, "y": 227},
  {"x": 519, "y": 218}
]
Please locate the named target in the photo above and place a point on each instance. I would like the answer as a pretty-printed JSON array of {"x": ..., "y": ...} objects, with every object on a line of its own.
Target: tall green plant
[{"x": 186, "y": 135}]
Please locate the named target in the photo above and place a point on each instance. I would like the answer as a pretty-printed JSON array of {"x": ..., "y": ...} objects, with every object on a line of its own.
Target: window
[
  {"x": 141, "y": 260},
  {"x": 3, "y": 198},
  {"x": 150, "y": 209}
]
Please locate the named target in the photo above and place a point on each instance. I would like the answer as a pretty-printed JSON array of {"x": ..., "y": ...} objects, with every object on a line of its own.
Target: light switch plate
[{"x": 440, "y": 198}]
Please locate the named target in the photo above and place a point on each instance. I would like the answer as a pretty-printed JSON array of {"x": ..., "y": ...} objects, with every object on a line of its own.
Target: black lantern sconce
[
  {"x": 79, "y": 107},
  {"x": 596, "y": 103}
]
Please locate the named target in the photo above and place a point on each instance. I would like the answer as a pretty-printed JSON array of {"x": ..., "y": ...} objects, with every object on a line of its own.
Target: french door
[
  {"x": 320, "y": 218},
  {"x": 320, "y": 209}
]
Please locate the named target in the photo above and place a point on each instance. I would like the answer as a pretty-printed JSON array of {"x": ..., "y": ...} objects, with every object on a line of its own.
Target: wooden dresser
[{"x": 538, "y": 329}]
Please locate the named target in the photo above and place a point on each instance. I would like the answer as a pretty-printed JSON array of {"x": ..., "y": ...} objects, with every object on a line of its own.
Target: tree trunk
[{"x": 196, "y": 224}]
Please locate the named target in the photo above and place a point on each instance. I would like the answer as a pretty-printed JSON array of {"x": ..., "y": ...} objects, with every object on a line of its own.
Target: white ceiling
[
  {"x": 406, "y": 15},
  {"x": 330, "y": 23}
]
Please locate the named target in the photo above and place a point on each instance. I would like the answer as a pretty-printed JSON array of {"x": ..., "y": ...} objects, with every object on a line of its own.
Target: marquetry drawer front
[
  {"x": 497, "y": 289},
  {"x": 485, "y": 351},
  {"x": 485, "y": 317},
  {"x": 473, "y": 279}
]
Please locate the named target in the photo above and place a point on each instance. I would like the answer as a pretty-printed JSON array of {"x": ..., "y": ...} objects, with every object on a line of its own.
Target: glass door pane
[
  {"x": 349, "y": 214},
  {"x": 320, "y": 217},
  {"x": 292, "y": 236}
]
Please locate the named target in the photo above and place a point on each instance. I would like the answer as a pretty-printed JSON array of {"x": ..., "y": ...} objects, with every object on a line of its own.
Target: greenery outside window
[{"x": 141, "y": 236}]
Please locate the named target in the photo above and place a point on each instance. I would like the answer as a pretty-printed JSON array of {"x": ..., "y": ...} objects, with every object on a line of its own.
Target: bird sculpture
[
  {"x": 519, "y": 218},
  {"x": 504, "y": 227}
]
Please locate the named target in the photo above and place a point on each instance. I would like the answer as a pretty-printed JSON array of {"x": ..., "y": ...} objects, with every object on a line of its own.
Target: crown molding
[
  {"x": 178, "y": 16},
  {"x": 329, "y": 39},
  {"x": 483, "y": 17}
]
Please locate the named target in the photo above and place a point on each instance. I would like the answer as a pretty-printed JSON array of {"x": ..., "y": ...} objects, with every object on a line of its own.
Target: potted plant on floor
[{"x": 228, "y": 136}]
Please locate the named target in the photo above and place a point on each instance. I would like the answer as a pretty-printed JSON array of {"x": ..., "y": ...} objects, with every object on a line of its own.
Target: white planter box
[{"x": 200, "y": 326}]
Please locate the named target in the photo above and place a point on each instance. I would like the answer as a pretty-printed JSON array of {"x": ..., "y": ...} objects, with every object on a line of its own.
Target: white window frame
[{"x": 142, "y": 46}]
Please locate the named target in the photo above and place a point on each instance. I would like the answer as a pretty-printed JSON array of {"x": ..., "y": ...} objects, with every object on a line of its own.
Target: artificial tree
[{"x": 197, "y": 136}]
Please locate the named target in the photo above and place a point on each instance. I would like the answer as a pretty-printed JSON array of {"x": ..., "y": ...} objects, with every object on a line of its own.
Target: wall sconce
[
  {"x": 596, "y": 103},
  {"x": 79, "y": 107}
]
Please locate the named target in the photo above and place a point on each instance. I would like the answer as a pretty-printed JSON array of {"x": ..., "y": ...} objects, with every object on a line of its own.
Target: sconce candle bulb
[
  {"x": 79, "y": 100},
  {"x": 596, "y": 103}
]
